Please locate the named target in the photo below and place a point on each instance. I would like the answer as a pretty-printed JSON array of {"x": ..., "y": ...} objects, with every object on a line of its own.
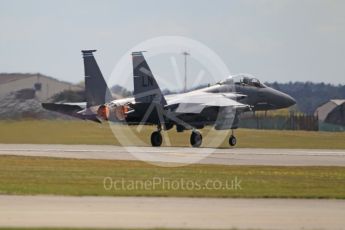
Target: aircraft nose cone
[
  {"x": 289, "y": 101},
  {"x": 281, "y": 100}
]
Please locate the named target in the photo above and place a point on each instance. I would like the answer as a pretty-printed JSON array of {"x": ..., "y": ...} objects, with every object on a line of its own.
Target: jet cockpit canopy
[{"x": 244, "y": 80}]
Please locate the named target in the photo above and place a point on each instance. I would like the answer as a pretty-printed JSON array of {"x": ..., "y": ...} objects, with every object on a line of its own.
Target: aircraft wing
[{"x": 195, "y": 103}]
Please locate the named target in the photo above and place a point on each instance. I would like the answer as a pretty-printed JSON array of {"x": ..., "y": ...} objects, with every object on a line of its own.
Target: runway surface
[
  {"x": 145, "y": 212},
  {"x": 234, "y": 156}
]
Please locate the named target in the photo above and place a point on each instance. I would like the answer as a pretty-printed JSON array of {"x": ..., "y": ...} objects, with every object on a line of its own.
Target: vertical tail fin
[
  {"x": 96, "y": 89},
  {"x": 146, "y": 89}
]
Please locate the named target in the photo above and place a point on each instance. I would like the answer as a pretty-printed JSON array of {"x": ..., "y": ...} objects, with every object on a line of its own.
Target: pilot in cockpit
[{"x": 243, "y": 80}]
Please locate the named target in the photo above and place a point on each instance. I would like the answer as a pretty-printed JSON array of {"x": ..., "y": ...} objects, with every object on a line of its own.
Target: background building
[
  {"x": 331, "y": 113},
  {"x": 44, "y": 87}
]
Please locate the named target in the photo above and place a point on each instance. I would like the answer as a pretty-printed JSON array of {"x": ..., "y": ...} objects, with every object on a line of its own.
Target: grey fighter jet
[{"x": 219, "y": 105}]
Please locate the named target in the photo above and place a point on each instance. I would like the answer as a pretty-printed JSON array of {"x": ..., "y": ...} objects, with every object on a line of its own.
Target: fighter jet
[{"x": 219, "y": 105}]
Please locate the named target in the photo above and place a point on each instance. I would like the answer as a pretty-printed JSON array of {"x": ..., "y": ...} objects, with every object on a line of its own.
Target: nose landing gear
[{"x": 232, "y": 139}]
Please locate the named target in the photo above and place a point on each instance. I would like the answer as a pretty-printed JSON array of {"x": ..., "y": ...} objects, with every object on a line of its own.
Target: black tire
[
  {"x": 196, "y": 139},
  {"x": 232, "y": 140},
  {"x": 156, "y": 139}
]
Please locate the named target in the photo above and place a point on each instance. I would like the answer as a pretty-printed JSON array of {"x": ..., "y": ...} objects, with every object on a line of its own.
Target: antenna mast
[{"x": 185, "y": 53}]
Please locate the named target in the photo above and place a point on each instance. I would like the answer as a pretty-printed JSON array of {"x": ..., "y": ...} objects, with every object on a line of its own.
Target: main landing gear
[
  {"x": 156, "y": 138},
  {"x": 195, "y": 139}
]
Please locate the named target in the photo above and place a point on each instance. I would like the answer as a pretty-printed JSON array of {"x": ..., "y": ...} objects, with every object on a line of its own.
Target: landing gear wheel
[
  {"x": 232, "y": 140},
  {"x": 196, "y": 139},
  {"x": 156, "y": 139}
]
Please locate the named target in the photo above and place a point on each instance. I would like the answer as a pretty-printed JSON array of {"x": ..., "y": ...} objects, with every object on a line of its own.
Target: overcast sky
[{"x": 275, "y": 40}]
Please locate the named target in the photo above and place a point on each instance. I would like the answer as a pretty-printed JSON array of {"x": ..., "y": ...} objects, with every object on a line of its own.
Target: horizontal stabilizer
[
  {"x": 72, "y": 109},
  {"x": 62, "y": 108}
]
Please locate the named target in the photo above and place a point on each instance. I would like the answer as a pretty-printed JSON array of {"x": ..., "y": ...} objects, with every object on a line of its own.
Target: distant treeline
[{"x": 310, "y": 95}]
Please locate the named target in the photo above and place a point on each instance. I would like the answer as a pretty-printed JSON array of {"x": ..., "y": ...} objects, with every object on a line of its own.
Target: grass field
[
  {"x": 39, "y": 175},
  {"x": 82, "y": 132}
]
